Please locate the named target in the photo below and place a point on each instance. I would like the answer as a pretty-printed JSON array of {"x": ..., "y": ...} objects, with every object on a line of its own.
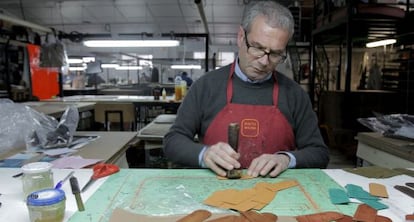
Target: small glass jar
[
  {"x": 46, "y": 205},
  {"x": 37, "y": 176}
]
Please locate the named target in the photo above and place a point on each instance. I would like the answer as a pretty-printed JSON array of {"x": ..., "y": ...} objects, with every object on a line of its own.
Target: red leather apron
[{"x": 263, "y": 128}]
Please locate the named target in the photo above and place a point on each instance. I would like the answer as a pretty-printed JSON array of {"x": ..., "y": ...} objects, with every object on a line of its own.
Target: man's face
[{"x": 261, "y": 37}]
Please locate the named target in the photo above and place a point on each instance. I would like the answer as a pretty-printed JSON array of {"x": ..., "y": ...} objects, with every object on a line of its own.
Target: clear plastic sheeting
[
  {"x": 399, "y": 126},
  {"x": 22, "y": 126}
]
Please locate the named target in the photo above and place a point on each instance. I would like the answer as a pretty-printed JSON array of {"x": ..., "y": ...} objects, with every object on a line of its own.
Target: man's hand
[
  {"x": 220, "y": 157},
  {"x": 268, "y": 164}
]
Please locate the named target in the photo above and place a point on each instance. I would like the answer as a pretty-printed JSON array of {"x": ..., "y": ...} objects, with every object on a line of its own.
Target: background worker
[
  {"x": 185, "y": 77},
  {"x": 278, "y": 128}
]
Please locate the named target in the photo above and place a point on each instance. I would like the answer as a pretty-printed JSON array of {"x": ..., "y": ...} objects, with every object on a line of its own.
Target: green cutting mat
[{"x": 167, "y": 192}]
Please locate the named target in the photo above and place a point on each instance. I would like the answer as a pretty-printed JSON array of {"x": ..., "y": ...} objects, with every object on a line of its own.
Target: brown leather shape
[
  {"x": 409, "y": 217},
  {"x": 380, "y": 218},
  {"x": 320, "y": 217},
  {"x": 253, "y": 216},
  {"x": 365, "y": 213},
  {"x": 345, "y": 218},
  {"x": 230, "y": 218},
  {"x": 196, "y": 216}
]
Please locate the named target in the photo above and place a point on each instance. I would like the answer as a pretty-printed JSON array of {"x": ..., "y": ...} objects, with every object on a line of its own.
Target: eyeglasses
[{"x": 274, "y": 57}]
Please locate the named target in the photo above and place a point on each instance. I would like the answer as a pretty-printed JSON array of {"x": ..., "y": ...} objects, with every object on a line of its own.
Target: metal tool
[
  {"x": 60, "y": 183},
  {"x": 76, "y": 191},
  {"x": 233, "y": 140},
  {"x": 101, "y": 170}
]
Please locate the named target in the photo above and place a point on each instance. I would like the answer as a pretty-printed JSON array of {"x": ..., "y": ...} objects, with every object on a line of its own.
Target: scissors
[{"x": 101, "y": 170}]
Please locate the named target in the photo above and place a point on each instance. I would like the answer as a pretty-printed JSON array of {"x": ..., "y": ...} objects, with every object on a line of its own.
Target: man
[
  {"x": 186, "y": 78},
  {"x": 278, "y": 128}
]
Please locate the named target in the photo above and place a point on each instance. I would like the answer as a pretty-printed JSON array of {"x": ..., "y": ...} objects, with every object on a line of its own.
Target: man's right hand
[{"x": 220, "y": 158}]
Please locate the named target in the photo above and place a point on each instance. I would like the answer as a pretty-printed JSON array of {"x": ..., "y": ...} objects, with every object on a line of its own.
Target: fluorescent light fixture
[
  {"x": 381, "y": 43},
  {"x": 131, "y": 43},
  {"x": 74, "y": 61},
  {"x": 185, "y": 66},
  {"x": 77, "y": 68},
  {"x": 199, "y": 55},
  {"x": 88, "y": 59},
  {"x": 128, "y": 68},
  {"x": 109, "y": 65}
]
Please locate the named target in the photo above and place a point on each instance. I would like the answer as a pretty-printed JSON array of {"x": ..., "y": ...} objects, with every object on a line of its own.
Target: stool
[
  {"x": 121, "y": 118},
  {"x": 127, "y": 116}
]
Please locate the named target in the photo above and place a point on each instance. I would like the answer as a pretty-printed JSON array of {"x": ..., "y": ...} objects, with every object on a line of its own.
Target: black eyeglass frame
[{"x": 281, "y": 58}]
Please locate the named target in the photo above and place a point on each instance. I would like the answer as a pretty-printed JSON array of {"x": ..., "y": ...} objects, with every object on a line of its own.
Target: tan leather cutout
[
  {"x": 284, "y": 185},
  {"x": 378, "y": 190},
  {"x": 253, "y": 198}
]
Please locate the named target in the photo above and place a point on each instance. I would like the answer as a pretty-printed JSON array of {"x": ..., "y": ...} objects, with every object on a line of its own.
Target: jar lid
[
  {"x": 45, "y": 197},
  {"x": 36, "y": 167}
]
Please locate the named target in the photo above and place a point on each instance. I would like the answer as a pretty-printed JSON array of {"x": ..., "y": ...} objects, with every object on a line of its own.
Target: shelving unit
[{"x": 349, "y": 25}]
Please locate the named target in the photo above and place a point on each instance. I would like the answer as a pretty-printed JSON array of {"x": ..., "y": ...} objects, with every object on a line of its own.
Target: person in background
[
  {"x": 278, "y": 127},
  {"x": 185, "y": 77}
]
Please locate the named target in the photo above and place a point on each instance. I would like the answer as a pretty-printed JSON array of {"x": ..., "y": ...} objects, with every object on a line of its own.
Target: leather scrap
[
  {"x": 409, "y": 217},
  {"x": 196, "y": 216},
  {"x": 378, "y": 190},
  {"x": 405, "y": 171},
  {"x": 338, "y": 196},
  {"x": 320, "y": 217},
  {"x": 373, "y": 172},
  {"x": 410, "y": 185},
  {"x": 255, "y": 198},
  {"x": 365, "y": 213},
  {"x": 380, "y": 218},
  {"x": 405, "y": 190}
]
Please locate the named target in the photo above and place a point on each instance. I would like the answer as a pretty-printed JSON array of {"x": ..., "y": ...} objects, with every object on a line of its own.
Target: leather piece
[
  {"x": 409, "y": 217},
  {"x": 406, "y": 190},
  {"x": 253, "y": 216},
  {"x": 378, "y": 190},
  {"x": 345, "y": 218},
  {"x": 410, "y": 185},
  {"x": 320, "y": 217},
  {"x": 365, "y": 213},
  {"x": 231, "y": 218},
  {"x": 380, "y": 218},
  {"x": 196, "y": 216}
]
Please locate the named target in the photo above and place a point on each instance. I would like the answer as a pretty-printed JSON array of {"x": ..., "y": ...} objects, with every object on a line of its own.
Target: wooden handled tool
[{"x": 233, "y": 140}]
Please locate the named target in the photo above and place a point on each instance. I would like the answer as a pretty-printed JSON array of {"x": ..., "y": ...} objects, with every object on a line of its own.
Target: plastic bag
[
  {"x": 53, "y": 53},
  {"x": 395, "y": 125},
  {"x": 22, "y": 126}
]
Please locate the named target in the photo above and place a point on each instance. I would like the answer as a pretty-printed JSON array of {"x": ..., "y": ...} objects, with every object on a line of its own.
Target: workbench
[
  {"x": 139, "y": 189},
  {"x": 110, "y": 147},
  {"x": 375, "y": 149},
  {"x": 131, "y": 109},
  {"x": 152, "y": 134},
  {"x": 56, "y": 110}
]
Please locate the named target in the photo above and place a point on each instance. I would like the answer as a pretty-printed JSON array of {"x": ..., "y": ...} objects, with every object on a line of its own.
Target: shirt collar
[{"x": 244, "y": 77}]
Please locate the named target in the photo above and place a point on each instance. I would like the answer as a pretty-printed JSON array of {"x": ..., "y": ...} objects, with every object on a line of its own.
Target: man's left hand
[{"x": 268, "y": 164}]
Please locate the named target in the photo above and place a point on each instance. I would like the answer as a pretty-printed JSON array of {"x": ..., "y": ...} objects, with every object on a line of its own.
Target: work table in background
[
  {"x": 375, "y": 149},
  {"x": 110, "y": 147}
]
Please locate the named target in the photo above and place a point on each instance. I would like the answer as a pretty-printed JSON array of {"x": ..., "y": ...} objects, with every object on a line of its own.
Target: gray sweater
[{"x": 207, "y": 96}]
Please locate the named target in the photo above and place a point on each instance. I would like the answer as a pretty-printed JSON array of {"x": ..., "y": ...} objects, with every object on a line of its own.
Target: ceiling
[{"x": 137, "y": 19}]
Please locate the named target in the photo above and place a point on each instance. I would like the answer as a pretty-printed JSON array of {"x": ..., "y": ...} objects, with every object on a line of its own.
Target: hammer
[{"x": 233, "y": 140}]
